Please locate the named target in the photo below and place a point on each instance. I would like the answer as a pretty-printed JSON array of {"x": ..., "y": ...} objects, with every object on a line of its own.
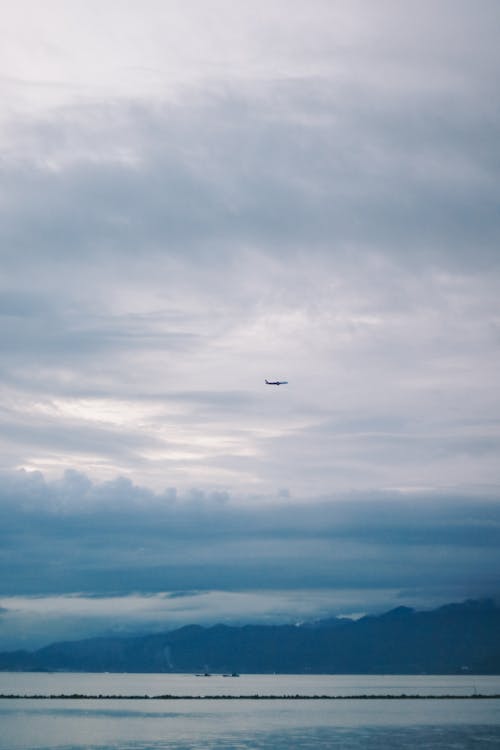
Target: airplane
[{"x": 277, "y": 382}]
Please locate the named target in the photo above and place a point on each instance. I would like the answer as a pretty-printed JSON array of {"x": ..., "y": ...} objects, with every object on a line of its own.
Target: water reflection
[
  {"x": 180, "y": 724},
  {"x": 366, "y": 738}
]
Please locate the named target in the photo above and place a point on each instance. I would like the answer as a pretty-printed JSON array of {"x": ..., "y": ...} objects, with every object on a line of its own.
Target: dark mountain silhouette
[{"x": 453, "y": 639}]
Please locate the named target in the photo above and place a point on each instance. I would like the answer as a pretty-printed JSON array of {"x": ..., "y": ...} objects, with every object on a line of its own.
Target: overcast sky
[{"x": 199, "y": 195}]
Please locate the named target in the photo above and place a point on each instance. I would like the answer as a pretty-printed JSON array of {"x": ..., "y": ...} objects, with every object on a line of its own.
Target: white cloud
[{"x": 32, "y": 622}]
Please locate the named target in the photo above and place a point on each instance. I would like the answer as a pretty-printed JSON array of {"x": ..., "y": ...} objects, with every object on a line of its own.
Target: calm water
[{"x": 204, "y": 724}]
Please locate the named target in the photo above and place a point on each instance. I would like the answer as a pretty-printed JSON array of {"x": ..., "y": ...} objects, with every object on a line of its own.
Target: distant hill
[{"x": 454, "y": 639}]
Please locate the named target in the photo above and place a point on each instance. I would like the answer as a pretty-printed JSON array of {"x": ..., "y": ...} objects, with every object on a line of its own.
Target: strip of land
[{"x": 401, "y": 696}]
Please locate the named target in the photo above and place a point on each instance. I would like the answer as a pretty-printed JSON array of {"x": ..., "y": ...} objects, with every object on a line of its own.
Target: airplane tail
[{"x": 267, "y": 381}]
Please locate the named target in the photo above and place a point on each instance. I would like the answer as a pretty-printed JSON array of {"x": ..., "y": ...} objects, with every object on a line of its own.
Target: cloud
[
  {"x": 113, "y": 538},
  {"x": 141, "y": 560},
  {"x": 383, "y": 362},
  {"x": 31, "y": 622},
  {"x": 192, "y": 200},
  {"x": 278, "y": 167}
]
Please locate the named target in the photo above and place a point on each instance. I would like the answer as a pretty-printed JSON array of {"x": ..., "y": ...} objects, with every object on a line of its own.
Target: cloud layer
[
  {"x": 160, "y": 560},
  {"x": 196, "y": 196},
  {"x": 145, "y": 298}
]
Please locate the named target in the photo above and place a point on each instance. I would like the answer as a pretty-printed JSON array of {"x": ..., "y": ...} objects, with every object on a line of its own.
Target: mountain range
[{"x": 453, "y": 639}]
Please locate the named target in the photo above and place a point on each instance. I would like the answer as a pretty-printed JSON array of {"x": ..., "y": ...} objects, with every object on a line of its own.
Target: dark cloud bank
[{"x": 115, "y": 538}]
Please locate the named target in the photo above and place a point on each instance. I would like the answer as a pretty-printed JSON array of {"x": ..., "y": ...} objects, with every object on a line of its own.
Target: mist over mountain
[{"x": 453, "y": 639}]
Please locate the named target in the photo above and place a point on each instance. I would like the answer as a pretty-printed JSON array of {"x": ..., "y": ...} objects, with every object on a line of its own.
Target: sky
[{"x": 199, "y": 195}]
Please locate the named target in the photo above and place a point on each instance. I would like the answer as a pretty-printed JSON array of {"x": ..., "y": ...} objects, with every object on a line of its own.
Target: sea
[{"x": 260, "y": 712}]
